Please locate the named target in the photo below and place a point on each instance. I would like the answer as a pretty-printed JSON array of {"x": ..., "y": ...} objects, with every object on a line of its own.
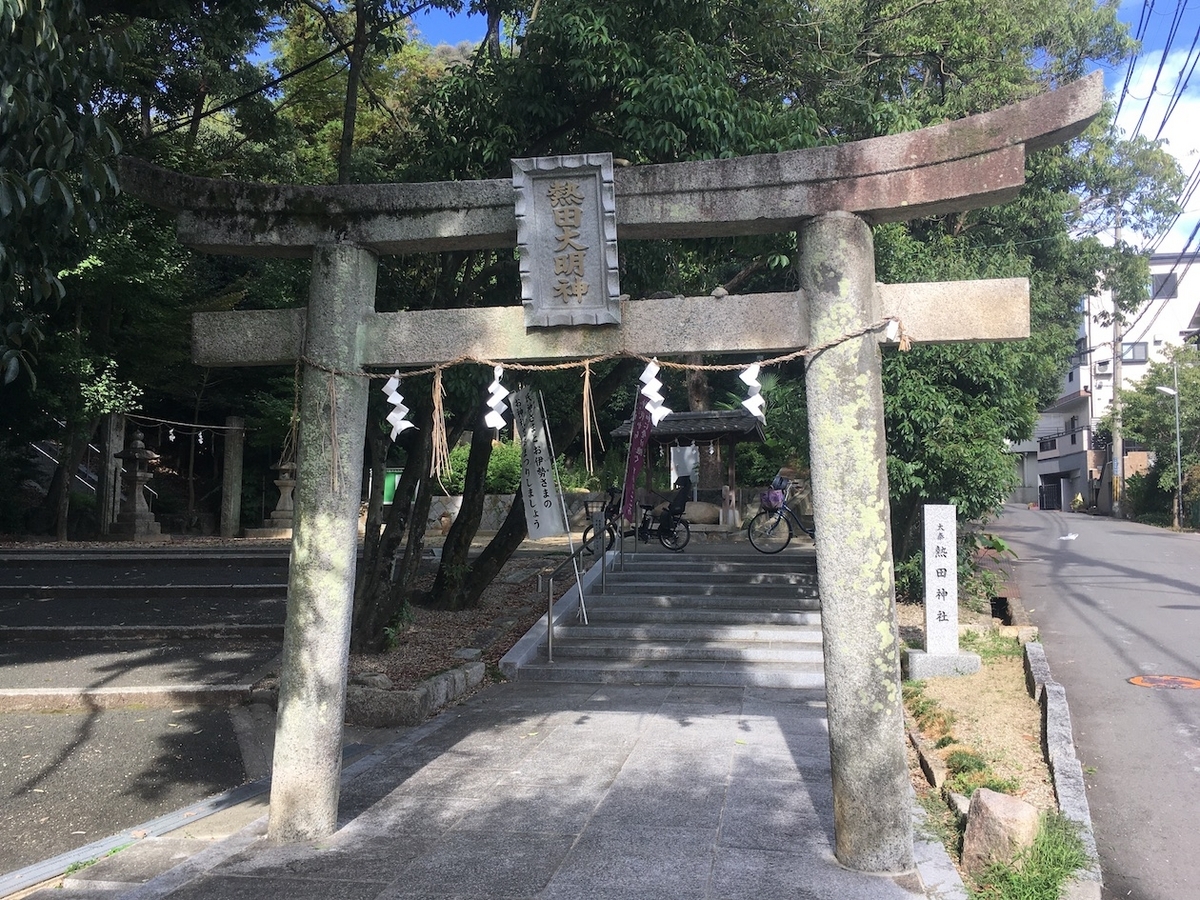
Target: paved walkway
[
  {"x": 565, "y": 791},
  {"x": 531, "y": 790}
]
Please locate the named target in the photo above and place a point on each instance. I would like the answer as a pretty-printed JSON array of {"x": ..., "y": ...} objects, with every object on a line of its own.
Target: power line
[
  {"x": 1181, "y": 83},
  {"x": 184, "y": 122},
  {"x": 1180, "y": 6},
  {"x": 1139, "y": 35}
]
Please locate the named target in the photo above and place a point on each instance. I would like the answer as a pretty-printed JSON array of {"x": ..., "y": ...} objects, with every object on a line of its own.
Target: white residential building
[{"x": 1064, "y": 458}]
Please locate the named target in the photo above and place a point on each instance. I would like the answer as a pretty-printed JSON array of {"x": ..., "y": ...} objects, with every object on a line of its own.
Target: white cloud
[{"x": 1181, "y": 131}]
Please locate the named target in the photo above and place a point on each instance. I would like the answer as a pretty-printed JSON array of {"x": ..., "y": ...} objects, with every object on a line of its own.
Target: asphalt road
[
  {"x": 68, "y": 779},
  {"x": 1114, "y": 600}
]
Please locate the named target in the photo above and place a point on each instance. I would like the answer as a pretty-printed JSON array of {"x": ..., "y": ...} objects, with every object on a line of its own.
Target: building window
[
  {"x": 1133, "y": 353},
  {"x": 1164, "y": 286}
]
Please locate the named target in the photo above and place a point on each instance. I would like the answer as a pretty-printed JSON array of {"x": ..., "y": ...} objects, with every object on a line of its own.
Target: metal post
[
  {"x": 599, "y": 536},
  {"x": 550, "y": 621}
]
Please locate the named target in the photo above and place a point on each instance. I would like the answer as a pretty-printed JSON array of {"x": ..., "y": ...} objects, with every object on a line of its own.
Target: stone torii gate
[{"x": 829, "y": 195}]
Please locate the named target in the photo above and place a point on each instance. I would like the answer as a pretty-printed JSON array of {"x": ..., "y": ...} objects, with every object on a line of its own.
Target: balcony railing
[{"x": 1064, "y": 444}]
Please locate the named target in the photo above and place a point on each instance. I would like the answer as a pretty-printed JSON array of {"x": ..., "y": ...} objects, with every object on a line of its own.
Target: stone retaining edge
[
  {"x": 529, "y": 646},
  {"x": 1066, "y": 772},
  {"x": 376, "y": 708}
]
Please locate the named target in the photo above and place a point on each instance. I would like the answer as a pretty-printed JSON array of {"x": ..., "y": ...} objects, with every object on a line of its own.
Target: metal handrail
[{"x": 571, "y": 558}]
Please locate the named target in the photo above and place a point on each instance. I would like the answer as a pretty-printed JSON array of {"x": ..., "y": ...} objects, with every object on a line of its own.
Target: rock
[
  {"x": 372, "y": 708},
  {"x": 376, "y": 680},
  {"x": 702, "y": 513},
  {"x": 959, "y": 805},
  {"x": 998, "y": 828}
]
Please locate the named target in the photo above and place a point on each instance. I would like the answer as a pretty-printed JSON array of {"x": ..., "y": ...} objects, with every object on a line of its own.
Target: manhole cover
[{"x": 1173, "y": 682}]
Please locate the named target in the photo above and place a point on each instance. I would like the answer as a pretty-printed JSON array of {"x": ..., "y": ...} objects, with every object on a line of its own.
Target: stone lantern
[
  {"x": 135, "y": 521},
  {"x": 281, "y": 516}
]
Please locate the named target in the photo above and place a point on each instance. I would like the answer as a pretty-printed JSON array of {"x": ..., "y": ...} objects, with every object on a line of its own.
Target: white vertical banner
[
  {"x": 941, "y": 580},
  {"x": 685, "y": 461},
  {"x": 543, "y": 503}
]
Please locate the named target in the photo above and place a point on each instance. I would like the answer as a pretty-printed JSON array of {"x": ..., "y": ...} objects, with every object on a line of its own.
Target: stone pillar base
[
  {"x": 919, "y": 665},
  {"x": 142, "y": 531}
]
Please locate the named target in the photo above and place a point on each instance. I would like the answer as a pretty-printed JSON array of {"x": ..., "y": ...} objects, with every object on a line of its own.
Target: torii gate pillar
[
  {"x": 306, "y": 772},
  {"x": 871, "y": 805}
]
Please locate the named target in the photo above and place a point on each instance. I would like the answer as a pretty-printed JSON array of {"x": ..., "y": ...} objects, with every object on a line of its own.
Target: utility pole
[{"x": 1118, "y": 444}]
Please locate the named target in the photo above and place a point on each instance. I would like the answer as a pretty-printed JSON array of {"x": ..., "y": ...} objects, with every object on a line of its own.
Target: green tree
[
  {"x": 55, "y": 160},
  {"x": 1149, "y": 419}
]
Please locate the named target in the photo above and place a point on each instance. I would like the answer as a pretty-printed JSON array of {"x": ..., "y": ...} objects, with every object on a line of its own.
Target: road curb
[
  {"x": 144, "y": 697},
  {"x": 139, "y": 632},
  {"x": 1066, "y": 772}
]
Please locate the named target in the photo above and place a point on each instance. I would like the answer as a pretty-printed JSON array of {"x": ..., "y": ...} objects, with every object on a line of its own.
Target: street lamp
[{"x": 1174, "y": 392}]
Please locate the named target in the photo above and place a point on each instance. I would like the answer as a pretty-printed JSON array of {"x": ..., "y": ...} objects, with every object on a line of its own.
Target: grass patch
[
  {"x": 969, "y": 771},
  {"x": 933, "y": 721},
  {"x": 990, "y": 645},
  {"x": 1040, "y": 871}
]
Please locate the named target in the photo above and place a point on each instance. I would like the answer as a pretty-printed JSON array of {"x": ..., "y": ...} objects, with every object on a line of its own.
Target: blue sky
[
  {"x": 1149, "y": 102},
  {"x": 438, "y": 27}
]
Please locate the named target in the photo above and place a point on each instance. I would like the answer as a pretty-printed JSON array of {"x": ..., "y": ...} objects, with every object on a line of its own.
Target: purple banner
[{"x": 639, "y": 440}]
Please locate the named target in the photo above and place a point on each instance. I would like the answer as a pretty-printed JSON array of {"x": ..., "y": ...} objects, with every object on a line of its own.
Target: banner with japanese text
[
  {"x": 542, "y": 500},
  {"x": 639, "y": 442}
]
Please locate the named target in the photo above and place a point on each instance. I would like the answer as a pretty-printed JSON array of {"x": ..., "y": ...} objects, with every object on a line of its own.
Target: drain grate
[{"x": 1169, "y": 682}]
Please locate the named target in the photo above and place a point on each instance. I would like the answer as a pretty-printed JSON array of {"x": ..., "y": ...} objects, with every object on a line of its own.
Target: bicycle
[
  {"x": 672, "y": 529},
  {"x": 612, "y": 523},
  {"x": 770, "y": 530}
]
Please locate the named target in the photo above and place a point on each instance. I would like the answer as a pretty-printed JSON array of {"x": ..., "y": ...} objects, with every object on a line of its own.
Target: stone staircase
[{"x": 701, "y": 617}]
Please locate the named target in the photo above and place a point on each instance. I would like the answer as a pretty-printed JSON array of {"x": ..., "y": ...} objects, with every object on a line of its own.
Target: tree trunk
[
  {"x": 197, "y": 115},
  {"x": 377, "y": 446},
  {"x": 488, "y": 564},
  {"x": 191, "y": 470},
  {"x": 386, "y": 583},
  {"x": 70, "y": 458},
  {"x": 446, "y": 592},
  {"x": 711, "y": 475},
  {"x": 358, "y": 52},
  {"x": 376, "y": 605}
]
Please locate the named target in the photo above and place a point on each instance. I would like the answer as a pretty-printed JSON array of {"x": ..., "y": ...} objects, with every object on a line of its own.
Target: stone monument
[{"x": 941, "y": 655}]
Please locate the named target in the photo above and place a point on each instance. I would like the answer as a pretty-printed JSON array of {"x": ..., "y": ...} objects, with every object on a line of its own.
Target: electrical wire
[{"x": 1172, "y": 31}]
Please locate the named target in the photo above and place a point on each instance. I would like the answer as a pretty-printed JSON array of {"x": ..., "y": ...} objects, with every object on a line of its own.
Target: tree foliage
[
  {"x": 1148, "y": 418},
  {"x": 55, "y": 160},
  {"x": 354, "y": 96}
]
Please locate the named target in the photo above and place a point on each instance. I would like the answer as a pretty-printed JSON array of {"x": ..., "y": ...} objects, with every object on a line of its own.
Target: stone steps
[
  {"x": 718, "y": 620},
  {"x": 706, "y": 588},
  {"x": 728, "y": 651},
  {"x": 806, "y": 676},
  {"x": 747, "y": 599}
]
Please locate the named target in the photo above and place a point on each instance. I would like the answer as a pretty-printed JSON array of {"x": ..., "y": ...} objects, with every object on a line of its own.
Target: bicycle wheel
[
  {"x": 769, "y": 532},
  {"x": 676, "y": 538},
  {"x": 609, "y": 541}
]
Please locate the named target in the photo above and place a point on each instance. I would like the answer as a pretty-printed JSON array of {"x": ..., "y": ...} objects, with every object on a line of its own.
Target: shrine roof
[{"x": 710, "y": 425}]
